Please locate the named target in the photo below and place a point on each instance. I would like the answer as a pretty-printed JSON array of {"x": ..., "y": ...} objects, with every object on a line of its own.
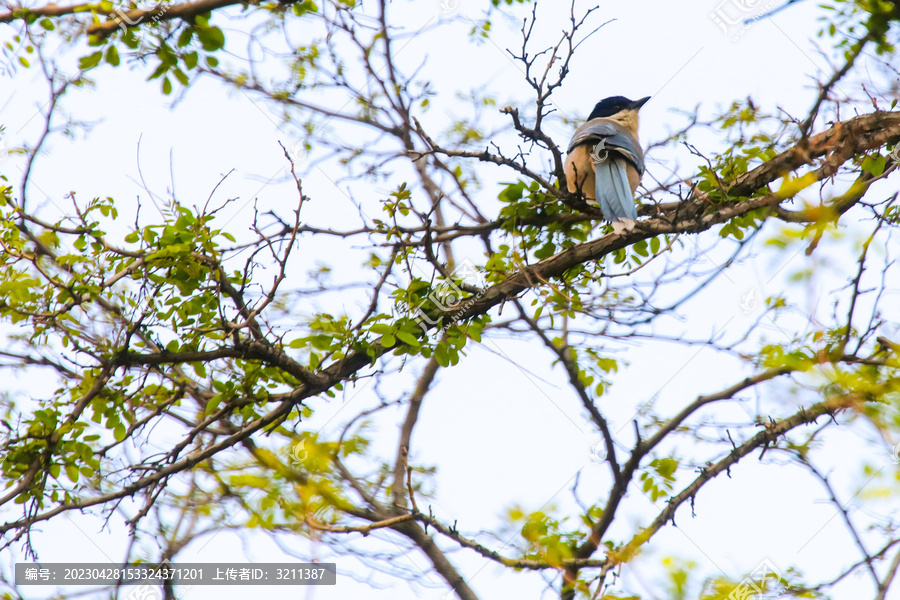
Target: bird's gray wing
[
  {"x": 593, "y": 131},
  {"x": 615, "y": 137}
]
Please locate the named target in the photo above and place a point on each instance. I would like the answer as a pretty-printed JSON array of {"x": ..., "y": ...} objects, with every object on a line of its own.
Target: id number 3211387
[{"x": 299, "y": 574}]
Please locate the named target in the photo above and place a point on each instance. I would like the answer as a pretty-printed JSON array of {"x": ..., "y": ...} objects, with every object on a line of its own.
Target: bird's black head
[{"x": 615, "y": 104}]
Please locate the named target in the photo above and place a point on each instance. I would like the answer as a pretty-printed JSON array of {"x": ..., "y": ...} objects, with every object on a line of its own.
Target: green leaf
[
  {"x": 307, "y": 6},
  {"x": 213, "y": 404},
  {"x": 90, "y": 61},
  {"x": 874, "y": 164},
  {"x": 184, "y": 39},
  {"x": 112, "y": 56},
  {"x": 321, "y": 342},
  {"x": 442, "y": 355},
  {"x": 190, "y": 60},
  {"x": 181, "y": 77},
  {"x": 545, "y": 251},
  {"x": 250, "y": 481},
  {"x": 211, "y": 38},
  {"x": 408, "y": 338},
  {"x": 166, "y": 86},
  {"x": 119, "y": 432},
  {"x": 159, "y": 71}
]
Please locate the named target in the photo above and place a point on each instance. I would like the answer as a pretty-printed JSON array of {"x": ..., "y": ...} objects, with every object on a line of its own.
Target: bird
[{"x": 605, "y": 161}]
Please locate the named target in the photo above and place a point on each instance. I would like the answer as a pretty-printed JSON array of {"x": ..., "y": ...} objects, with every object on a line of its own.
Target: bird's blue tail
[{"x": 613, "y": 190}]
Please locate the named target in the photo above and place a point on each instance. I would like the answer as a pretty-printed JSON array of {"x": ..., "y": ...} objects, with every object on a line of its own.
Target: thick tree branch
[{"x": 162, "y": 12}]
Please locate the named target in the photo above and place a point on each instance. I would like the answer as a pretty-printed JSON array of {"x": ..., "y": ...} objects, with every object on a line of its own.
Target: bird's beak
[{"x": 639, "y": 103}]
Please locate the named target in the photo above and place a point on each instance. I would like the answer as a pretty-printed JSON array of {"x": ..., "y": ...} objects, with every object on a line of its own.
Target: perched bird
[{"x": 605, "y": 160}]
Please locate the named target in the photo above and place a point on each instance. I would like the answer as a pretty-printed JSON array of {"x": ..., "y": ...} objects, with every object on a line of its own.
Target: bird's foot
[{"x": 624, "y": 225}]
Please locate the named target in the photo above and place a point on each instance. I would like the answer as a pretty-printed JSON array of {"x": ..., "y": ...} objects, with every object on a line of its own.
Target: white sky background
[{"x": 501, "y": 427}]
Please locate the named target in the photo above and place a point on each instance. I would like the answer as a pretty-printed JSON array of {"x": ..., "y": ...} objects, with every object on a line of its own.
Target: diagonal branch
[
  {"x": 562, "y": 353},
  {"x": 398, "y": 490},
  {"x": 845, "y": 516},
  {"x": 762, "y": 439},
  {"x": 889, "y": 578}
]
